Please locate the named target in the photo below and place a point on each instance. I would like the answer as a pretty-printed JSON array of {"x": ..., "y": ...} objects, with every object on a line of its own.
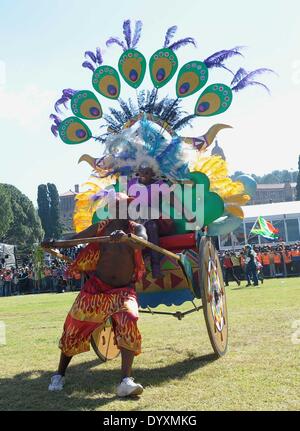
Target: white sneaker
[
  {"x": 128, "y": 388},
  {"x": 57, "y": 383}
]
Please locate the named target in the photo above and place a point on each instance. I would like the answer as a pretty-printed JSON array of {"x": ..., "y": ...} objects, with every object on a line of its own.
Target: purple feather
[
  {"x": 247, "y": 80},
  {"x": 169, "y": 35},
  {"x": 137, "y": 33},
  {"x": 244, "y": 83},
  {"x": 91, "y": 55},
  {"x": 69, "y": 92},
  {"x": 127, "y": 32},
  {"x": 240, "y": 74},
  {"x": 115, "y": 40},
  {"x": 56, "y": 119},
  {"x": 67, "y": 95},
  {"x": 62, "y": 101},
  {"x": 258, "y": 72},
  {"x": 54, "y": 130},
  {"x": 88, "y": 65},
  {"x": 217, "y": 59},
  {"x": 182, "y": 42},
  {"x": 54, "y": 127},
  {"x": 99, "y": 56},
  {"x": 256, "y": 83}
]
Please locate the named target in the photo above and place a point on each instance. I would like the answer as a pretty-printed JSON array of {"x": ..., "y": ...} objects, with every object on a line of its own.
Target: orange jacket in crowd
[
  {"x": 265, "y": 259},
  {"x": 277, "y": 258},
  {"x": 288, "y": 256}
]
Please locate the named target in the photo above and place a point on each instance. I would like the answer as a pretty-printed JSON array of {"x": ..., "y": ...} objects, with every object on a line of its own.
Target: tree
[
  {"x": 237, "y": 174},
  {"x": 56, "y": 226},
  {"x": 6, "y": 214},
  {"x": 274, "y": 177},
  {"x": 44, "y": 209},
  {"x": 48, "y": 209},
  {"x": 298, "y": 182},
  {"x": 25, "y": 228}
]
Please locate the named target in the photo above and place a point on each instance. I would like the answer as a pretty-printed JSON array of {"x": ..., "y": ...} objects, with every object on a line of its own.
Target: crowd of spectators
[
  {"x": 250, "y": 264},
  {"x": 270, "y": 262},
  {"x": 53, "y": 277}
]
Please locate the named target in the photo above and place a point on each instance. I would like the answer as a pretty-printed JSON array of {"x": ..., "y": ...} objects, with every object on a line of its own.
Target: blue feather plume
[
  {"x": 91, "y": 55},
  {"x": 99, "y": 57},
  {"x": 241, "y": 73},
  {"x": 127, "y": 32},
  {"x": 54, "y": 127},
  {"x": 117, "y": 41},
  {"x": 169, "y": 35},
  {"x": 137, "y": 33},
  {"x": 168, "y": 158},
  {"x": 88, "y": 65},
  {"x": 182, "y": 42},
  {"x": 248, "y": 79},
  {"x": 69, "y": 92},
  {"x": 217, "y": 59},
  {"x": 67, "y": 95}
]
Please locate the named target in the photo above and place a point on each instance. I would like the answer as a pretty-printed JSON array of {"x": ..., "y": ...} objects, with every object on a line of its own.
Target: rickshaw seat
[{"x": 178, "y": 242}]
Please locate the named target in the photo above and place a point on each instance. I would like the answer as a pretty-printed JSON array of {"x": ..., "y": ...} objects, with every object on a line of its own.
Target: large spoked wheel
[
  {"x": 104, "y": 343},
  {"x": 213, "y": 296}
]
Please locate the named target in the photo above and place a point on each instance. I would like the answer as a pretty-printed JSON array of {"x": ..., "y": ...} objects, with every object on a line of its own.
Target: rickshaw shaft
[{"x": 178, "y": 314}]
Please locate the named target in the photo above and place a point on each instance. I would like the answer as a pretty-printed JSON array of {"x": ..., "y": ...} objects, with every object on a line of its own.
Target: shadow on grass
[{"x": 87, "y": 387}]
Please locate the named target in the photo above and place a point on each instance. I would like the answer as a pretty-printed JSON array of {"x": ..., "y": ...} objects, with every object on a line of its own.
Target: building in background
[
  {"x": 269, "y": 193},
  {"x": 266, "y": 193},
  {"x": 66, "y": 209},
  {"x": 217, "y": 150}
]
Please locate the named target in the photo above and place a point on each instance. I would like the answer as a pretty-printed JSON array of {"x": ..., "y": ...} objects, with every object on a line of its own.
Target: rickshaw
[
  {"x": 191, "y": 271},
  {"x": 143, "y": 131}
]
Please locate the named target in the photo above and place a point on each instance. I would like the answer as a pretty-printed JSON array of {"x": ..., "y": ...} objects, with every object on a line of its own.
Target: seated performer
[
  {"x": 154, "y": 228},
  {"x": 109, "y": 292}
]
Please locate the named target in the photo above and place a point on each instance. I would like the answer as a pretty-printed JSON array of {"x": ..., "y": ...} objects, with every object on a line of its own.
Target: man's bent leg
[
  {"x": 63, "y": 364},
  {"x": 127, "y": 361},
  {"x": 128, "y": 340}
]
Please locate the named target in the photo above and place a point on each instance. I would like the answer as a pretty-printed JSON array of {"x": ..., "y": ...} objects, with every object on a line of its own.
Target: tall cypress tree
[
  {"x": 56, "y": 227},
  {"x": 6, "y": 214},
  {"x": 44, "y": 210},
  {"x": 298, "y": 182}
]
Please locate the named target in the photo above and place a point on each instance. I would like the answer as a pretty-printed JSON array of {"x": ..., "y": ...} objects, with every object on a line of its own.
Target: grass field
[{"x": 261, "y": 370}]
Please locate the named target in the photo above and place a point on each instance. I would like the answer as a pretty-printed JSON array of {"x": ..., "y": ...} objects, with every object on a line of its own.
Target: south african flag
[{"x": 266, "y": 229}]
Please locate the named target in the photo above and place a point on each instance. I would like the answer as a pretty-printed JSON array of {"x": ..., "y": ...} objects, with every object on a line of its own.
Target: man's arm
[
  {"x": 139, "y": 231},
  {"x": 90, "y": 232}
]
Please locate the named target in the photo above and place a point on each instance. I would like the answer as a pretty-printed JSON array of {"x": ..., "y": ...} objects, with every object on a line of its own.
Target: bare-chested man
[{"x": 109, "y": 292}]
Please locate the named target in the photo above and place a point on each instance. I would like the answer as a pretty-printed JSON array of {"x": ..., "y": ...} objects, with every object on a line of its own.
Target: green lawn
[{"x": 177, "y": 367}]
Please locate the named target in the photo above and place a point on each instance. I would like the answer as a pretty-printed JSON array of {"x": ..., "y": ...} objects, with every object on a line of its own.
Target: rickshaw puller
[{"x": 107, "y": 293}]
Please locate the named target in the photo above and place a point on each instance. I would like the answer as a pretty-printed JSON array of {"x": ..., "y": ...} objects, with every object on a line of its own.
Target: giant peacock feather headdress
[{"x": 146, "y": 130}]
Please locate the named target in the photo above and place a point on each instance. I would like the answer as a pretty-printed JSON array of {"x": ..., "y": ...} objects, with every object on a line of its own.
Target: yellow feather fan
[
  {"x": 85, "y": 206},
  {"x": 232, "y": 192}
]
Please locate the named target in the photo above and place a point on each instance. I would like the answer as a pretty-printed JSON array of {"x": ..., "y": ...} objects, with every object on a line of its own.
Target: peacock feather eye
[
  {"x": 214, "y": 100},
  {"x": 163, "y": 65},
  {"x": 73, "y": 131},
  {"x": 191, "y": 78},
  {"x": 132, "y": 67},
  {"x": 85, "y": 105},
  {"x": 106, "y": 81}
]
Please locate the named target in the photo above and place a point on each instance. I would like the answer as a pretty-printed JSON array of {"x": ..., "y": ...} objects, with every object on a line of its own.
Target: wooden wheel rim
[
  {"x": 104, "y": 343},
  {"x": 213, "y": 297}
]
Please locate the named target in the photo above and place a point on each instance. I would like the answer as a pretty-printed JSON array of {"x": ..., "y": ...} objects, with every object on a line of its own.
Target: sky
[{"x": 41, "y": 51}]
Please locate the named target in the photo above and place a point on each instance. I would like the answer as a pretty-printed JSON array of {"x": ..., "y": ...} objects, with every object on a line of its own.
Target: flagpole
[{"x": 251, "y": 230}]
